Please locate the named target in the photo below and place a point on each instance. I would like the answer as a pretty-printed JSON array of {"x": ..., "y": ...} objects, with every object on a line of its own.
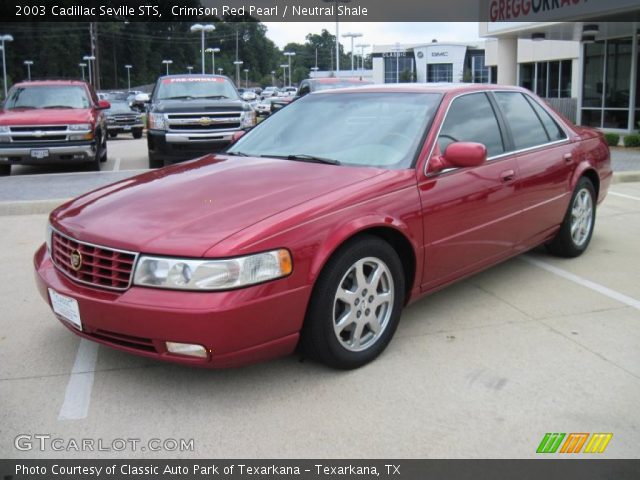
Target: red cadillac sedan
[{"x": 318, "y": 226}]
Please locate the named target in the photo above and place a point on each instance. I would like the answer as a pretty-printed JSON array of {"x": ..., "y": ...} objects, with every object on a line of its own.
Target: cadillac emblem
[{"x": 76, "y": 260}]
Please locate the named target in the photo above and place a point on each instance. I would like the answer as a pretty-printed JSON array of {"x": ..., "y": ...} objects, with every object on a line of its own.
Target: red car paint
[{"x": 447, "y": 227}]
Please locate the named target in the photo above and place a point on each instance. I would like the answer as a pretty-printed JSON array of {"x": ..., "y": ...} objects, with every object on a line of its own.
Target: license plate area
[
  {"x": 66, "y": 307},
  {"x": 40, "y": 153}
]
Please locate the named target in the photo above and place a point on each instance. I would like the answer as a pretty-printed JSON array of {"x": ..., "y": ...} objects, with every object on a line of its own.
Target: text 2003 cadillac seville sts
[{"x": 319, "y": 225}]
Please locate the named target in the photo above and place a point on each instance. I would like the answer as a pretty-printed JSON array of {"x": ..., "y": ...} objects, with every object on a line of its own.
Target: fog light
[{"x": 189, "y": 349}]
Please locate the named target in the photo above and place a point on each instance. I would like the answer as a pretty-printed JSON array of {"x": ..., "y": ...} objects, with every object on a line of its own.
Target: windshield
[
  {"x": 48, "y": 96},
  {"x": 367, "y": 129},
  {"x": 120, "y": 107},
  {"x": 195, "y": 87}
]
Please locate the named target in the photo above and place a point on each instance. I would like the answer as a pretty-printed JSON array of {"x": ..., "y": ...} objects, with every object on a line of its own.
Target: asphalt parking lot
[{"x": 482, "y": 369}]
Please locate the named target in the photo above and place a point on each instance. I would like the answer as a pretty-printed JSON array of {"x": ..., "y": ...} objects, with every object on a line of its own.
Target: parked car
[
  {"x": 263, "y": 108},
  {"x": 311, "y": 85},
  {"x": 192, "y": 115},
  {"x": 270, "y": 92},
  {"x": 50, "y": 122},
  {"x": 319, "y": 225},
  {"x": 123, "y": 118}
]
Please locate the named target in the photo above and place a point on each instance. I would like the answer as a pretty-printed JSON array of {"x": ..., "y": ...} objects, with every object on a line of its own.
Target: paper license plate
[
  {"x": 126, "y": 127},
  {"x": 40, "y": 153},
  {"x": 66, "y": 307}
]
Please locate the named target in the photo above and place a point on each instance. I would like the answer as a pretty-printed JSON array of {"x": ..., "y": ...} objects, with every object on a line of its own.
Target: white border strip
[
  {"x": 596, "y": 287},
  {"x": 624, "y": 196},
  {"x": 77, "y": 398}
]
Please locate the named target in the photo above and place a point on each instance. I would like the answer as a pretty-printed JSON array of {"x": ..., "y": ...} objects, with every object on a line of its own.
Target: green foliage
[
  {"x": 632, "y": 140},
  {"x": 612, "y": 139}
]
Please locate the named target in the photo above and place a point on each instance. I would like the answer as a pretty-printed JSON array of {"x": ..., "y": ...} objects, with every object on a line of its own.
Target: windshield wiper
[
  {"x": 26, "y": 107},
  {"x": 307, "y": 158},
  {"x": 178, "y": 97},
  {"x": 58, "y": 106},
  {"x": 212, "y": 96},
  {"x": 237, "y": 154}
]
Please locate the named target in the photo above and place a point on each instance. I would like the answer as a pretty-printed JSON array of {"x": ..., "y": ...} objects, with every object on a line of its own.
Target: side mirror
[
  {"x": 237, "y": 136},
  {"x": 142, "y": 98},
  {"x": 459, "y": 155},
  {"x": 103, "y": 105}
]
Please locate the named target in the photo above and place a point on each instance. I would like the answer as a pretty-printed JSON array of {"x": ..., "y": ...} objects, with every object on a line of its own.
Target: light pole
[
  {"x": 273, "y": 78},
  {"x": 284, "y": 73},
  {"x": 28, "y": 63},
  {"x": 352, "y": 36},
  {"x": 213, "y": 52},
  {"x": 237, "y": 63},
  {"x": 167, "y": 63},
  {"x": 202, "y": 29},
  {"x": 5, "y": 38},
  {"x": 190, "y": 68},
  {"x": 89, "y": 59},
  {"x": 128, "y": 67},
  {"x": 290, "y": 54},
  {"x": 362, "y": 46},
  {"x": 82, "y": 65},
  {"x": 314, "y": 70},
  {"x": 337, "y": 29},
  {"x": 246, "y": 78},
  {"x": 220, "y": 70}
]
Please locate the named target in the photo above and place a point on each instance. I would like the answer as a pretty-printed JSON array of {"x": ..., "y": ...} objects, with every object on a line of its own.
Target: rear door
[
  {"x": 545, "y": 162},
  {"x": 470, "y": 215}
]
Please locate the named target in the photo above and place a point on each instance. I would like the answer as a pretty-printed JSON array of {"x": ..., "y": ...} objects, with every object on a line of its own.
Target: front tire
[
  {"x": 577, "y": 227},
  {"x": 137, "y": 133},
  {"x": 356, "y": 304},
  {"x": 5, "y": 170}
]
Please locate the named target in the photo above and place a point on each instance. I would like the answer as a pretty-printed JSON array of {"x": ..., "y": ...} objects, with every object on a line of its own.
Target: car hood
[
  {"x": 186, "y": 209},
  {"x": 202, "y": 105},
  {"x": 45, "y": 116}
]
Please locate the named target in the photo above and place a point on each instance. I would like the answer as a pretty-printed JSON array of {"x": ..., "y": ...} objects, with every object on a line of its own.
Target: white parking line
[
  {"x": 116, "y": 166},
  {"x": 77, "y": 398},
  {"x": 596, "y": 287},
  {"x": 624, "y": 196}
]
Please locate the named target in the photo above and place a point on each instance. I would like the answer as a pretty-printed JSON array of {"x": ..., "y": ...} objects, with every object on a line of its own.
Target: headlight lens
[
  {"x": 187, "y": 274},
  {"x": 78, "y": 127},
  {"x": 157, "y": 121},
  {"x": 4, "y": 129},
  {"x": 248, "y": 119},
  {"x": 49, "y": 236}
]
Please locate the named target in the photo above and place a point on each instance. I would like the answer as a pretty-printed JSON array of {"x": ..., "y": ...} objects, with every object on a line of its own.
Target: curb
[
  {"x": 30, "y": 207},
  {"x": 625, "y": 177}
]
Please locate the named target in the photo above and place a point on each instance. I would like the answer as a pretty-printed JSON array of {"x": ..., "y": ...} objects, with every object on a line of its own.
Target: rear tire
[
  {"x": 577, "y": 227},
  {"x": 355, "y": 305},
  {"x": 5, "y": 170}
]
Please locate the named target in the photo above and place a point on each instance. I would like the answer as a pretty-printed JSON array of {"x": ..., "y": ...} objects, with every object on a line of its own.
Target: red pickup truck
[{"x": 52, "y": 121}]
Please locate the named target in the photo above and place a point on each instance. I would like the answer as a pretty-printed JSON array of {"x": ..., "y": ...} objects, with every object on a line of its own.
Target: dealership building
[{"x": 588, "y": 66}]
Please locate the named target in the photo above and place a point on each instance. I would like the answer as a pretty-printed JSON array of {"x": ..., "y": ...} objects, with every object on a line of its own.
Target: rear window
[{"x": 526, "y": 128}]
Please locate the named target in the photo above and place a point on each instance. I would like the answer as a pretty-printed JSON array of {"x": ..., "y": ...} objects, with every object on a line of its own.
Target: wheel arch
[
  {"x": 589, "y": 172},
  {"x": 395, "y": 233}
]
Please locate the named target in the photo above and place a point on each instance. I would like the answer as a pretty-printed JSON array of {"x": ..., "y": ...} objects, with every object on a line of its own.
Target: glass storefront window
[
  {"x": 406, "y": 69},
  {"x": 618, "y": 79},
  {"x": 527, "y": 73},
  {"x": 616, "y": 119},
  {"x": 547, "y": 79},
  {"x": 565, "y": 78},
  {"x": 591, "y": 118},
  {"x": 592, "y": 87},
  {"x": 440, "y": 72},
  {"x": 554, "y": 80},
  {"x": 541, "y": 79}
]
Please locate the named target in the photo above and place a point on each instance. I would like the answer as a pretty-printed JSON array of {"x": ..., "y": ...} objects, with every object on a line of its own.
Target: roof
[{"x": 422, "y": 88}]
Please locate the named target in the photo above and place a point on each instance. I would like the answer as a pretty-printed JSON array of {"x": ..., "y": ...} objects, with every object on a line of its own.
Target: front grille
[
  {"x": 43, "y": 128},
  {"x": 100, "y": 266},
  {"x": 39, "y": 133},
  {"x": 48, "y": 138},
  {"x": 123, "y": 119},
  {"x": 203, "y": 122}
]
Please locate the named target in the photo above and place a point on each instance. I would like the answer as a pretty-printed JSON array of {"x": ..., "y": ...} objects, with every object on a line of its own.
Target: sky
[{"x": 376, "y": 33}]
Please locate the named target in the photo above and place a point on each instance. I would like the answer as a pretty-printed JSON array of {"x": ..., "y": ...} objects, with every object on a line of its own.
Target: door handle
[
  {"x": 568, "y": 158},
  {"x": 507, "y": 175}
]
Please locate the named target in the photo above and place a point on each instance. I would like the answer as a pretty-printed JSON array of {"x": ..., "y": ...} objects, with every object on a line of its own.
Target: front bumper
[
  {"x": 185, "y": 146},
  {"x": 236, "y": 327},
  {"x": 68, "y": 153},
  {"x": 120, "y": 128}
]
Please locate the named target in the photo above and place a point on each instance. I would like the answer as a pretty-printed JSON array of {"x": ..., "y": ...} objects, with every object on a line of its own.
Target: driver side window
[{"x": 471, "y": 119}]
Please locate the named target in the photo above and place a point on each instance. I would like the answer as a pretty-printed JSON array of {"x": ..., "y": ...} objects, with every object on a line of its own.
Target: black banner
[
  {"x": 316, "y": 10},
  {"x": 535, "y": 469}
]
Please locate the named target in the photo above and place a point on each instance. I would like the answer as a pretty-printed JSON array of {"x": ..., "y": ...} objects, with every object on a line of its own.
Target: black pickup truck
[{"x": 192, "y": 115}]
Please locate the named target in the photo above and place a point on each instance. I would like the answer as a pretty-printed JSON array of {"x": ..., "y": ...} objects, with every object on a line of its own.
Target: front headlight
[
  {"x": 248, "y": 119},
  {"x": 79, "y": 127},
  {"x": 187, "y": 274},
  {"x": 157, "y": 121},
  {"x": 5, "y": 129},
  {"x": 48, "y": 237}
]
